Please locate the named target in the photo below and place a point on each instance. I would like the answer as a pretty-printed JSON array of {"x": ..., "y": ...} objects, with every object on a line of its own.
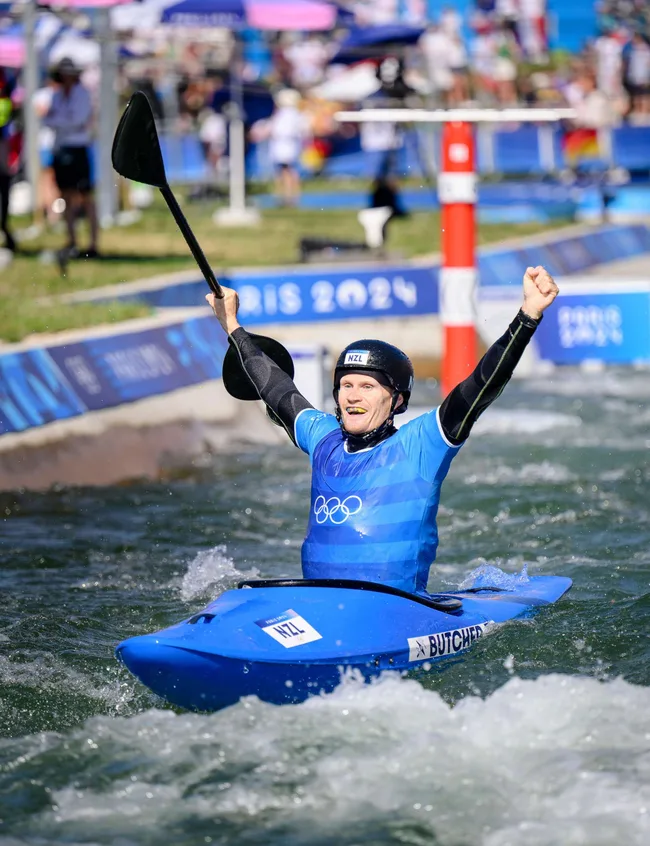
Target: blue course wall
[
  {"x": 60, "y": 381},
  {"x": 57, "y": 382}
]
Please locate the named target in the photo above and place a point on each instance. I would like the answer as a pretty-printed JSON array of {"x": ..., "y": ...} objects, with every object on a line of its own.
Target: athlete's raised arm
[
  {"x": 274, "y": 386},
  {"x": 468, "y": 400}
]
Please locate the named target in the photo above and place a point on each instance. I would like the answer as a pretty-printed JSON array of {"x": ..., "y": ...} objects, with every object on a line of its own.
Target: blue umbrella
[
  {"x": 230, "y": 14},
  {"x": 370, "y": 42},
  {"x": 344, "y": 16}
]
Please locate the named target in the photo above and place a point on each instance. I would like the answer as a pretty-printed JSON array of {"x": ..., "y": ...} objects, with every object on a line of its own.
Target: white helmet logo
[
  {"x": 356, "y": 357},
  {"x": 336, "y": 510}
]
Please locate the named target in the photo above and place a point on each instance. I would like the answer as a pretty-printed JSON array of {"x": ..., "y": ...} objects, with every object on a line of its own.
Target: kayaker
[{"x": 376, "y": 489}]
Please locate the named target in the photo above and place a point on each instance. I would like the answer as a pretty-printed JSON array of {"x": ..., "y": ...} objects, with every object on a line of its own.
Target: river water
[{"x": 539, "y": 736}]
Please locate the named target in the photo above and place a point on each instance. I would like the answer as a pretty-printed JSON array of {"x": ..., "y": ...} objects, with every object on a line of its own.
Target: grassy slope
[{"x": 154, "y": 245}]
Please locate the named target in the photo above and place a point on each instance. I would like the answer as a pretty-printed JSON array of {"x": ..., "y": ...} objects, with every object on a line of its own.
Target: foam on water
[
  {"x": 556, "y": 760},
  {"x": 516, "y": 421},
  {"x": 543, "y": 759},
  {"x": 545, "y": 472},
  {"x": 212, "y": 571},
  {"x": 522, "y": 422},
  {"x": 44, "y": 677},
  {"x": 609, "y": 383},
  {"x": 487, "y": 575}
]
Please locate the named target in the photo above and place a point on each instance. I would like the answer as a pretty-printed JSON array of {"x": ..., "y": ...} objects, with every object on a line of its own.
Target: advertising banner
[
  {"x": 318, "y": 295},
  {"x": 610, "y": 326},
  {"x": 33, "y": 391},
  {"x": 286, "y": 295},
  {"x": 40, "y": 386}
]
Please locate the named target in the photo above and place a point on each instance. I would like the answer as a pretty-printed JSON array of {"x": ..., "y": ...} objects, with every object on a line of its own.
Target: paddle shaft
[{"x": 190, "y": 240}]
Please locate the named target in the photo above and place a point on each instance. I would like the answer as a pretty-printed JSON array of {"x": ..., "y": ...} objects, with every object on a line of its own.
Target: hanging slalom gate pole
[{"x": 457, "y": 195}]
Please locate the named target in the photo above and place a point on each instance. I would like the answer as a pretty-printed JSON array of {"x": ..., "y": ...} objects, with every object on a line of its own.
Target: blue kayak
[{"x": 285, "y": 640}]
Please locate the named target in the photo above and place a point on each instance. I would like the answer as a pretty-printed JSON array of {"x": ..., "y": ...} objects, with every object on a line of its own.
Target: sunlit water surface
[{"x": 539, "y": 736}]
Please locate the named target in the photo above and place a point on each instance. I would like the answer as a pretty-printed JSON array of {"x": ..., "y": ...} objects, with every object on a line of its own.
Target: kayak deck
[{"x": 284, "y": 640}]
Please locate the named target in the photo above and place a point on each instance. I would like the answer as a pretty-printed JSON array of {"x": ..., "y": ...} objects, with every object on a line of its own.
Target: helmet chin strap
[{"x": 374, "y": 436}]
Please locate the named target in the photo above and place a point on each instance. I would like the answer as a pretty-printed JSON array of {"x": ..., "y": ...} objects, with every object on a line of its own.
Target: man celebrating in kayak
[{"x": 376, "y": 489}]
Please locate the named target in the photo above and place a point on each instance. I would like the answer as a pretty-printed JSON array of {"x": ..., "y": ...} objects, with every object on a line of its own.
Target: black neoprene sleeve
[
  {"x": 464, "y": 405},
  {"x": 274, "y": 386}
]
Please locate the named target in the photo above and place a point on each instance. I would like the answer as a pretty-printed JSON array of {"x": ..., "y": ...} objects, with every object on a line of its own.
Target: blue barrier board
[
  {"x": 612, "y": 327},
  {"x": 332, "y": 294},
  {"x": 40, "y": 386},
  {"x": 33, "y": 391}
]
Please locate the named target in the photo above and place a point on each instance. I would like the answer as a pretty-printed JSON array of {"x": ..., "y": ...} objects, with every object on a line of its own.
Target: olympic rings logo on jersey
[{"x": 336, "y": 510}]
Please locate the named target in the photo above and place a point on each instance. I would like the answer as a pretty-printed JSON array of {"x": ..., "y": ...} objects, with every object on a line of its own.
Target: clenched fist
[
  {"x": 539, "y": 291},
  {"x": 225, "y": 309}
]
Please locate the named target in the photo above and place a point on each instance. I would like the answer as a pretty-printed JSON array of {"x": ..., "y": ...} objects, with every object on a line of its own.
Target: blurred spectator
[
  {"x": 145, "y": 83},
  {"x": 450, "y": 21},
  {"x": 483, "y": 50},
  {"x": 594, "y": 111},
  {"x": 593, "y": 106},
  {"x": 415, "y": 12},
  {"x": 323, "y": 127},
  {"x": 307, "y": 59},
  {"x": 435, "y": 45},
  {"x": 636, "y": 77},
  {"x": 382, "y": 139},
  {"x": 508, "y": 13},
  {"x": 390, "y": 73},
  {"x": 459, "y": 67},
  {"x": 6, "y": 112},
  {"x": 287, "y": 131},
  {"x": 608, "y": 49},
  {"x": 48, "y": 191},
  {"x": 505, "y": 67},
  {"x": 385, "y": 194},
  {"x": 281, "y": 63},
  {"x": 533, "y": 32},
  {"x": 70, "y": 115},
  {"x": 192, "y": 100},
  {"x": 213, "y": 136}
]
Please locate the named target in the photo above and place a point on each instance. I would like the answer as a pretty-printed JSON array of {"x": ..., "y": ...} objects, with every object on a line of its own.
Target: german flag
[{"x": 580, "y": 145}]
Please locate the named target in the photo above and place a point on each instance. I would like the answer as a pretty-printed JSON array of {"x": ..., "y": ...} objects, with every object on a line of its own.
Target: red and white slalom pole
[{"x": 457, "y": 195}]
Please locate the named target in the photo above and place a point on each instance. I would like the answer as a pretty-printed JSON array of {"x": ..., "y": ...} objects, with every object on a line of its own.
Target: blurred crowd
[
  {"x": 287, "y": 86},
  {"x": 502, "y": 56}
]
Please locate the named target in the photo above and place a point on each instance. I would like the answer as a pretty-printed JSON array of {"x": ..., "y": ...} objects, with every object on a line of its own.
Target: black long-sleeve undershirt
[
  {"x": 468, "y": 400},
  {"x": 458, "y": 412},
  {"x": 275, "y": 387}
]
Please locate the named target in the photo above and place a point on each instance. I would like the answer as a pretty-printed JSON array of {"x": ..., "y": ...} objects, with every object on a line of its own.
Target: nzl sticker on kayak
[
  {"x": 289, "y": 629},
  {"x": 444, "y": 643}
]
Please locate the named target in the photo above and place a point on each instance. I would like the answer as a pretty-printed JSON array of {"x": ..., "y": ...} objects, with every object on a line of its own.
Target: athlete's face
[{"x": 364, "y": 403}]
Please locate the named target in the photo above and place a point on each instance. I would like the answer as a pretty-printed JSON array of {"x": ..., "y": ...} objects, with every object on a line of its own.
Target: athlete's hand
[
  {"x": 225, "y": 309},
  {"x": 539, "y": 291}
]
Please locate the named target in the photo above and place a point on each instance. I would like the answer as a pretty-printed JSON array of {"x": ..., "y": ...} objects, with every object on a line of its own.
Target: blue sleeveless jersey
[{"x": 373, "y": 512}]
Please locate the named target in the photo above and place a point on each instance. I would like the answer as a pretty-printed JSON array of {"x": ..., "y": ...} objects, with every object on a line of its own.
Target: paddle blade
[
  {"x": 236, "y": 380},
  {"x": 136, "y": 150}
]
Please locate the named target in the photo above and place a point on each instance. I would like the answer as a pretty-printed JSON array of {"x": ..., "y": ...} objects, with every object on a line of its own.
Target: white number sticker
[{"x": 289, "y": 629}]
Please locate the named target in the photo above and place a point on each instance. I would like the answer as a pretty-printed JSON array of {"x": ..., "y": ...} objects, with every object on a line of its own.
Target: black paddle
[{"x": 136, "y": 155}]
